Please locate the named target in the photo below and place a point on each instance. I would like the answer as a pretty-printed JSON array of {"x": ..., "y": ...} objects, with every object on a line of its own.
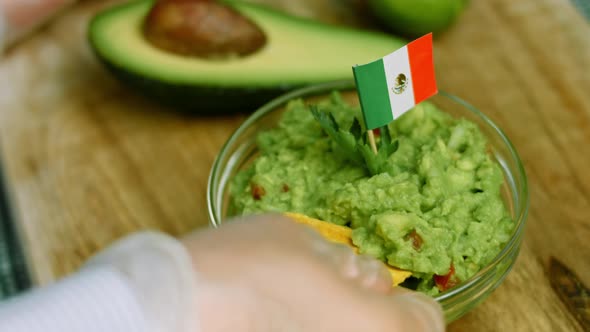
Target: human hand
[
  {"x": 266, "y": 273},
  {"x": 22, "y": 16}
]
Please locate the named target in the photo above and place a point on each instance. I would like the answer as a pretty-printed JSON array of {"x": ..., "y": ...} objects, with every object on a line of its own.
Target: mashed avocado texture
[{"x": 435, "y": 210}]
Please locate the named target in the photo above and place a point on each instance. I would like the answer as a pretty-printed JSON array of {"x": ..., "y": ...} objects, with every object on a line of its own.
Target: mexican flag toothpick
[{"x": 392, "y": 85}]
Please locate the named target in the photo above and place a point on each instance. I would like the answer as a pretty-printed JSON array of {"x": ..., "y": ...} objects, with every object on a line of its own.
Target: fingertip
[
  {"x": 365, "y": 271},
  {"x": 424, "y": 313},
  {"x": 376, "y": 277}
]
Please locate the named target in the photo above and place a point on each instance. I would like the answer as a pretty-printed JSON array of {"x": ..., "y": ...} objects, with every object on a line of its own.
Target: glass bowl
[{"x": 240, "y": 149}]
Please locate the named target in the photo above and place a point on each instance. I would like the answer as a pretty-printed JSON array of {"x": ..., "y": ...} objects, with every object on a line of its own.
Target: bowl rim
[{"x": 323, "y": 88}]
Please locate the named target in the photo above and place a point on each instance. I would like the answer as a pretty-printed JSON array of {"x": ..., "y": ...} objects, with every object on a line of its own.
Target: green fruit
[
  {"x": 298, "y": 52},
  {"x": 414, "y": 18}
]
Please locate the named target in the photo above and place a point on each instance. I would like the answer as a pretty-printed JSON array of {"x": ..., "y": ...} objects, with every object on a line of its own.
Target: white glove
[
  {"x": 142, "y": 283},
  {"x": 267, "y": 274},
  {"x": 258, "y": 274},
  {"x": 160, "y": 274},
  {"x": 263, "y": 274}
]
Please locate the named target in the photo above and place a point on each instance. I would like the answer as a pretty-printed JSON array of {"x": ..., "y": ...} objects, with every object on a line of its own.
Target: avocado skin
[{"x": 199, "y": 100}]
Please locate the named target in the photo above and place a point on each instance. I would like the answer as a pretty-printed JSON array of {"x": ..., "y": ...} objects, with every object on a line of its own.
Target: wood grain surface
[{"x": 89, "y": 161}]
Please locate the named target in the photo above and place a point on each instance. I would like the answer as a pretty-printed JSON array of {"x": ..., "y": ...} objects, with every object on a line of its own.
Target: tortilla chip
[{"x": 342, "y": 234}]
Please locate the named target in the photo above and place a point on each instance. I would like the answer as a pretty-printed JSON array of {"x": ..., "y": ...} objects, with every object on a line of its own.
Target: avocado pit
[{"x": 202, "y": 28}]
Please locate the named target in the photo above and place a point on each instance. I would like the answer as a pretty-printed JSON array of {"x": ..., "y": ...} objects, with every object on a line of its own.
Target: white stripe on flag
[{"x": 394, "y": 64}]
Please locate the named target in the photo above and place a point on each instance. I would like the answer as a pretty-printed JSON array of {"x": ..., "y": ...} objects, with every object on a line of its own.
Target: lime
[{"x": 415, "y": 18}]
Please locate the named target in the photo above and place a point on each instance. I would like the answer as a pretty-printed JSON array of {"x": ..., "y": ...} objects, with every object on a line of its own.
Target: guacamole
[{"x": 435, "y": 209}]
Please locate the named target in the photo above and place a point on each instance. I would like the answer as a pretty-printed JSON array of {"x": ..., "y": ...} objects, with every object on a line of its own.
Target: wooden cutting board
[{"x": 89, "y": 161}]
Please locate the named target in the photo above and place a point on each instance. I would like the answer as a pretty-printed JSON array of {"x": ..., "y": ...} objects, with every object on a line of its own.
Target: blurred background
[{"x": 86, "y": 160}]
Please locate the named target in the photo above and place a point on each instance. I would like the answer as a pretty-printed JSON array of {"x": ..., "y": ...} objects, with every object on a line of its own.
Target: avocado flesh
[{"x": 298, "y": 52}]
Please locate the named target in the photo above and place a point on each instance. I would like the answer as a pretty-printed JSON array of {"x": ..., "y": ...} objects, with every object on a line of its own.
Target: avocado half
[{"x": 298, "y": 52}]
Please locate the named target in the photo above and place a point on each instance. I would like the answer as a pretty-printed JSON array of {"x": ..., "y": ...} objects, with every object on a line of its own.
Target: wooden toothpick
[{"x": 372, "y": 143}]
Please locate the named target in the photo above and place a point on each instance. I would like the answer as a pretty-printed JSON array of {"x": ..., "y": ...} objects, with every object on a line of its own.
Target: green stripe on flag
[{"x": 373, "y": 94}]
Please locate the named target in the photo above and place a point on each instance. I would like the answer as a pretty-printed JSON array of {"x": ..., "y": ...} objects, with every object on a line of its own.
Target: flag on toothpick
[{"x": 392, "y": 85}]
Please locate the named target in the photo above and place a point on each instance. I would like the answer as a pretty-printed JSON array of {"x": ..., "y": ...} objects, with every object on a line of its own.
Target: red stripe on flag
[{"x": 422, "y": 68}]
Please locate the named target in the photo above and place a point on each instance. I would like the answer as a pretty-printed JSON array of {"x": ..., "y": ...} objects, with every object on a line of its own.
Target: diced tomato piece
[
  {"x": 447, "y": 281},
  {"x": 416, "y": 239},
  {"x": 377, "y": 132},
  {"x": 257, "y": 191}
]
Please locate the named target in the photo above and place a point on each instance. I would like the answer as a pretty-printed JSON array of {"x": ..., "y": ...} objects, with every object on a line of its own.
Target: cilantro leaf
[
  {"x": 352, "y": 143},
  {"x": 356, "y": 130},
  {"x": 345, "y": 141}
]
